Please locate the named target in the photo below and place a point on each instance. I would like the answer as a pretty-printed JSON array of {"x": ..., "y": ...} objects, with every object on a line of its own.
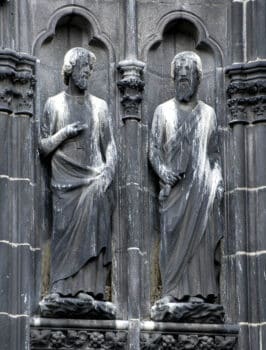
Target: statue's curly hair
[{"x": 71, "y": 58}]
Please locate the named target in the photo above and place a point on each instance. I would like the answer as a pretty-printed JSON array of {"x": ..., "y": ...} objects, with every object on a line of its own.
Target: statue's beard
[
  {"x": 185, "y": 89},
  {"x": 81, "y": 82}
]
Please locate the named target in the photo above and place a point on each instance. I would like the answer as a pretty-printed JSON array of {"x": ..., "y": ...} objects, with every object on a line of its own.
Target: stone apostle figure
[
  {"x": 184, "y": 154},
  {"x": 76, "y": 133}
]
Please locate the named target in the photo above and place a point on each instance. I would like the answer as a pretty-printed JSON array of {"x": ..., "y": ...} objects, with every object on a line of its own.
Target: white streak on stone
[
  {"x": 249, "y": 324},
  {"x": 148, "y": 325},
  {"x": 243, "y": 253},
  {"x": 223, "y": 128},
  {"x": 137, "y": 249},
  {"x": 94, "y": 324},
  {"x": 12, "y": 315},
  {"x": 257, "y": 253},
  {"x": 120, "y": 324},
  {"x": 248, "y": 189},
  {"x": 132, "y": 183},
  {"x": 16, "y": 245},
  {"x": 16, "y": 179},
  {"x": 243, "y": 1},
  {"x": 245, "y": 30}
]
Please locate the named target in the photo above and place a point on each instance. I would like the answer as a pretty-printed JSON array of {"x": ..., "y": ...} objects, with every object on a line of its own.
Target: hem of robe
[
  {"x": 90, "y": 279},
  {"x": 199, "y": 277}
]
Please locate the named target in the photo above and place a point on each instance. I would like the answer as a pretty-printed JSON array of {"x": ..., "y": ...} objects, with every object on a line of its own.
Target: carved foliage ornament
[
  {"x": 17, "y": 83},
  {"x": 186, "y": 342},
  {"x": 131, "y": 86},
  {"x": 247, "y": 99},
  {"x": 77, "y": 339}
]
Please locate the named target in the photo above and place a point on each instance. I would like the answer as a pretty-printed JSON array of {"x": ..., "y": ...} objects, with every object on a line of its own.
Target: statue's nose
[{"x": 183, "y": 71}]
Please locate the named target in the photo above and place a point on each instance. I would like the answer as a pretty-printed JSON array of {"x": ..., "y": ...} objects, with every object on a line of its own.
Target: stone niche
[
  {"x": 175, "y": 35},
  {"x": 67, "y": 32}
]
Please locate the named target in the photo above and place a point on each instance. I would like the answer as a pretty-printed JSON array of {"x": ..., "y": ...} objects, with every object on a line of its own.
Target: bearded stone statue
[
  {"x": 184, "y": 154},
  {"x": 76, "y": 134}
]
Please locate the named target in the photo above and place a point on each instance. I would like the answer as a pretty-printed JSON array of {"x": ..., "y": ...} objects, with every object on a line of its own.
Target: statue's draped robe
[
  {"x": 190, "y": 218},
  {"x": 80, "y": 241}
]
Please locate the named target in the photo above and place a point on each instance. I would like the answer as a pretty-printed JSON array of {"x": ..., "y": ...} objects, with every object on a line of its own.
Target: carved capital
[
  {"x": 17, "y": 82},
  {"x": 246, "y": 93},
  {"x": 131, "y": 86}
]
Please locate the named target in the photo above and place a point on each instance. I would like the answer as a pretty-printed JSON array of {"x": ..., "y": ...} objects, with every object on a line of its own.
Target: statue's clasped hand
[{"x": 170, "y": 177}]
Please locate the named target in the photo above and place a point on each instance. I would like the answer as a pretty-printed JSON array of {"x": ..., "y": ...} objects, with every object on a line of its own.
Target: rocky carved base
[
  {"x": 77, "y": 308},
  {"x": 188, "y": 312}
]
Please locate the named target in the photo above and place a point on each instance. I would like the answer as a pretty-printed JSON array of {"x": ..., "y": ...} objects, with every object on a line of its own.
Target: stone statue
[
  {"x": 76, "y": 133},
  {"x": 184, "y": 154}
]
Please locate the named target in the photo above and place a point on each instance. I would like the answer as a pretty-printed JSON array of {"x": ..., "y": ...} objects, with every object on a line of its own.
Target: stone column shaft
[
  {"x": 131, "y": 86},
  {"x": 246, "y": 246}
]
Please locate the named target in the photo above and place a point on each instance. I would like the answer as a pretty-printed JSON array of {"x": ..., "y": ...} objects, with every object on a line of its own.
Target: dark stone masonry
[{"x": 132, "y": 174}]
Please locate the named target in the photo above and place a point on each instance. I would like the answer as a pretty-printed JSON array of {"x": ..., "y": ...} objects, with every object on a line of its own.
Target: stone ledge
[{"x": 114, "y": 335}]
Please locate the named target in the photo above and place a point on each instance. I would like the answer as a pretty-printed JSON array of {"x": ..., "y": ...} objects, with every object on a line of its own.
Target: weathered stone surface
[
  {"x": 244, "y": 258},
  {"x": 75, "y": 339},
  {"x": 222, "y": 32},
  {"x": 115, "y": 335},
  {"x": 188, "y": 313},
  {"x": 183, "y": 342}
]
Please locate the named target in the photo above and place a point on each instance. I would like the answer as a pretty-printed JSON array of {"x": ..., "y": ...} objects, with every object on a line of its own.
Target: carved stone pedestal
[
  {"x": 78, "y": 334},
  {"x": 188, "y": 312},
  {"x": 114, "y": 335}
]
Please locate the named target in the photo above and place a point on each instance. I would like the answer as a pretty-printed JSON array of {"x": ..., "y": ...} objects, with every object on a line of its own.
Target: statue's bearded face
[
  {"x": 81, "y": 72},
  {"x": 186, "y": 79}
]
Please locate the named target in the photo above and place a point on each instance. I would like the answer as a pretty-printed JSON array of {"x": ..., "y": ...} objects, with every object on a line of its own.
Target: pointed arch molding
[
  {"x": 203, "y": 36},
  {"x": 75, "y": 10}
]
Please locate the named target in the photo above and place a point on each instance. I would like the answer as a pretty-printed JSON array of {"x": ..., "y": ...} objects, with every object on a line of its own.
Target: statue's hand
[
  {"x": 220, "y": 191},
  {"x": 105, "y": 180},
  {"x": 74, "y": 129},
  {"x": 169, "y": 177}
]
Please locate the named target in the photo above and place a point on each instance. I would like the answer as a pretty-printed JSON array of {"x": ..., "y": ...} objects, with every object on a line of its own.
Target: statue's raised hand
[{"x": 74, "y": 129}]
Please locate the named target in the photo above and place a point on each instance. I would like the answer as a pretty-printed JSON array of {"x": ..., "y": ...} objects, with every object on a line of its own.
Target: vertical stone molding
[
  {"x": 245, "y": 248},
  {"x": 131, "y": 86},
  {"x": 17, "y": 187}
]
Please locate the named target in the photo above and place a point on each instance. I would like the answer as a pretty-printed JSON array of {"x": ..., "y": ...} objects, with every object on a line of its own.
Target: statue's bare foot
[
  {"x": 165, "y": 300},
  {"x": 85, "y": 296},
  {"x": 53, "y": 296},
  {"x": 196, "y": 300}
]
